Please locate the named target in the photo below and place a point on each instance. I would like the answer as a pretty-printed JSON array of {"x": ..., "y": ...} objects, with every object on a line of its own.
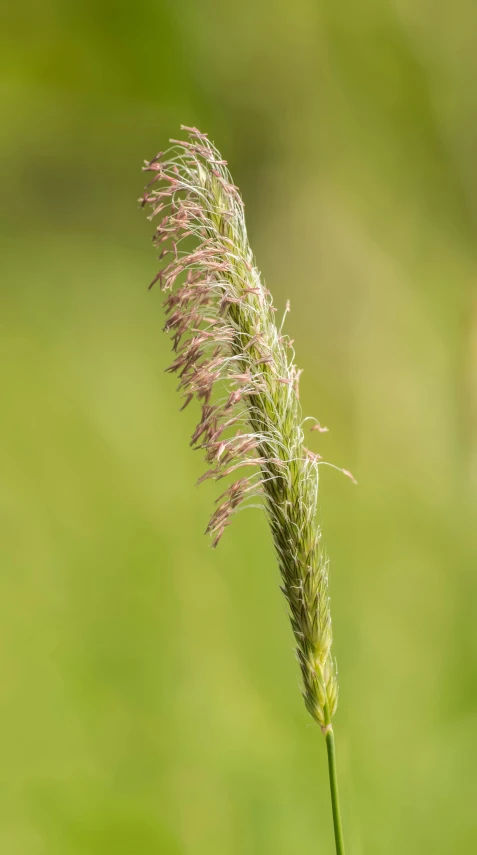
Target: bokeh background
[{"x": 149, "y": 696}]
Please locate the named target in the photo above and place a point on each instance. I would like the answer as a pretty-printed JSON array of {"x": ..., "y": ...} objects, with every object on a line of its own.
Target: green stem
[{"x": 335, "y": 802}]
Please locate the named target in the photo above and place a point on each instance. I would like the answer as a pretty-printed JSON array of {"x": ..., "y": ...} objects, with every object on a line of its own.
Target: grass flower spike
[{"x": 233, "y": 358}]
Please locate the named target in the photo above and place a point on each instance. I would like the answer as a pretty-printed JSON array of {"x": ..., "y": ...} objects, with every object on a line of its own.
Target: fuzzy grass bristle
[{"x": 233, "y": 359}]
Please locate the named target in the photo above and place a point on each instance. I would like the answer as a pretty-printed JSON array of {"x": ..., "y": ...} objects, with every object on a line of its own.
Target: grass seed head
[{"x": 230, "y": 356}]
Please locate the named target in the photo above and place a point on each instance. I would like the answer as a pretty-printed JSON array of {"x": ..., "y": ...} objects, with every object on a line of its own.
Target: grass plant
[{"x": 232, "y": 356}]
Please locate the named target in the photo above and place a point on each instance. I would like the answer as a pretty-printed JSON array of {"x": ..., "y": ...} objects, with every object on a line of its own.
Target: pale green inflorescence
[{"x": 232, "y": 357}]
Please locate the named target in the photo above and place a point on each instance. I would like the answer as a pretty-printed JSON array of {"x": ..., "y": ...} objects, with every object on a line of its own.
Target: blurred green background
[{"x": 149, "y": 697}]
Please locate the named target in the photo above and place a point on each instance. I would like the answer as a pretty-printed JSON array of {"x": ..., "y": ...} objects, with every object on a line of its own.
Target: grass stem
[{"x": 335, "y": 802}]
